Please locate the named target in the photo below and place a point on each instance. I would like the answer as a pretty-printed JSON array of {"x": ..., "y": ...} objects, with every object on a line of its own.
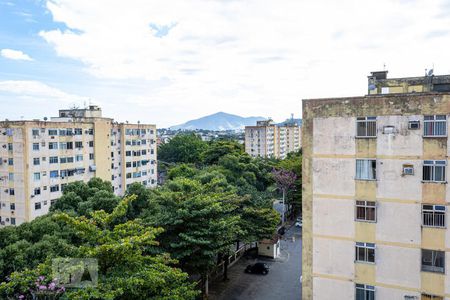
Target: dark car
[
  {"x": 282, "y": 230},
  {"x": 258, "y": 268}
]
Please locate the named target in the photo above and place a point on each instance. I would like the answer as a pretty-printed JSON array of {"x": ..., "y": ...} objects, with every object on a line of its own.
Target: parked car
[
  {"x": 299, "y": 222},
  {"x": 282, "y": 230},
  {"x": 258, "y": 268}
]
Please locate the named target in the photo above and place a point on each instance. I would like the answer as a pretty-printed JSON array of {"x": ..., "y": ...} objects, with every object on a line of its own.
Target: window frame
[
  {"x": 364, "y": 204},
  {"x": 433, "y": 164},
  {"x": 366, "y": 120},
  {"x": 369, "y": 162},
  {"x": 366, "y": 248},
  {"x": 434, "y": 210},
  {"x": 433, "y": 268},
  {"x": 434, "y": 121},
  {"x": 367, "y": 289}
]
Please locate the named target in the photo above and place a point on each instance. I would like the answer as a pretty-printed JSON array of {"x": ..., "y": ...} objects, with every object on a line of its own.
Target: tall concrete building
[
  {"x": 375, "y": 192},
  {"x": 267, "y": 139},
  {"x": 38, "y": 158}
]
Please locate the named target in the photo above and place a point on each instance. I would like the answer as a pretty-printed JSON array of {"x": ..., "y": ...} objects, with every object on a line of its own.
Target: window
[
  {"x": 435, "y": 125},
  {"x": 13, "y": 221},
  {"x": 152, "y": 151},
  {"x": 91, "y": 131},
  {"x": 35, "y": 146},
  {"x": 433, "y": 261},
  {"x": 35, "y": 132},
  {"x": 53, "y": 159},
  {"x": 365, "y": 210},
  {"x": 54, "y": 188},
  {"x": 36, "y": 161},
  {"x": 91, "y": 156},
  {"x": 365, "y": 292},
  {"x": 62, "y": 160},
  {"x": 11, "y": 191},
  {"x": 37, "y": 191},
  {"x": 365, "y": 252},
  {"x": 128, "y": 164},
  {"x": 433, "y": 215},
  {"x": 79, "y": 157},
  {"x": 78, "y": 131},
  {"x": 52, "y": 145},
  {"x": 37, "y": 205},
  {"x": 431, "y": 297},
  {"x": 10, "y": 147},
  {"x": 434, "y": 170},
  {"x": 11, "y": 176},
  {"x": 366, "y": 169},
  {"x": 91, "y": 143},
  {"x": 54, "y": 174},
  {"x": 10, "y": 161},
  {"x": 70, "y": 159},
  {"x": 52, "y": 132},
  {"x": 69, "y": 145},
  {"x": 128, "y": 175},
  {"x": 12, "y": 206},
  {"x": 37, "y": 176},
  {"x": 78, "y": 145},
  {"x": 366, "y": 127}
]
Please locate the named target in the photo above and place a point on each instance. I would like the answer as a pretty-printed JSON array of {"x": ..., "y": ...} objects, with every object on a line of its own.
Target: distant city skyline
[{"x": 167, "y": 62}]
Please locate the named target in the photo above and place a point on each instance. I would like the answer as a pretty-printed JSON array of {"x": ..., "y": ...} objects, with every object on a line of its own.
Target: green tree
[
  {"x": 126, "y": 270},
  {"x": 198, "y": 220},
  {"x": 217, "y": 149},
  {"x": 182, "y": 170},
  {"x": 183, "y": 148},
  {"x": 84, "y": 198}
]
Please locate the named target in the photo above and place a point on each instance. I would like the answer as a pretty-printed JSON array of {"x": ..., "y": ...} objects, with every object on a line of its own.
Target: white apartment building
[
  {"x": 38, "y": 158},
  {"x": 267, "y": 139},
  {"x": 375, "y": 193}
]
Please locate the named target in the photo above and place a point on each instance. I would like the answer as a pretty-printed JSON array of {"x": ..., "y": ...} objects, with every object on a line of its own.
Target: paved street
[{"x": 282, "y": 282}]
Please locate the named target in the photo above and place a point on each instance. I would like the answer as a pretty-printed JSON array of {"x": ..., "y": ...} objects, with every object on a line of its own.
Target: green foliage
[
  {"x": 217, "y": 149},
  {"x": 126, "y": 271},
  {"x": 198, "y": 220},
  {"x": 182, "y": 170},
  {"x": 183, "y": 148},
  {"x": 258, "y": 223},
  {"x": 83, "y": 198}
]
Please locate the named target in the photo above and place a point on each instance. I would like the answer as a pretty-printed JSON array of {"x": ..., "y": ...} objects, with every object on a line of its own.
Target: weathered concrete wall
[{"x": 329, "y": 190}]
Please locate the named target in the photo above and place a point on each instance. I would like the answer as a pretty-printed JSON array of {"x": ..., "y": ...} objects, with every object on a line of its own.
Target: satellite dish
[
  {"x": 430, "y": 72},
  {"x": 45, "y": 119}
]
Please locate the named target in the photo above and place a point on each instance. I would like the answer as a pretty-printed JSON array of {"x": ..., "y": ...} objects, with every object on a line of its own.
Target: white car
[{"x": 299, "y": 223}]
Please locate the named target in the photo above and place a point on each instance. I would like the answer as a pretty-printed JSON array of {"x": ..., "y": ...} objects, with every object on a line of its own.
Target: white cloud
[
  {"x": 14, "y": 54},
  {"x": 248, "y": 57},
  {"x": 38, "y": 92}
]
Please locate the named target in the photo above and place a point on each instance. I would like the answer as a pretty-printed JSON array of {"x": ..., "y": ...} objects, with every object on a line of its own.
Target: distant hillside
[
  {"x": 218, "y": 121},
  {"x": 297, "y": 122}
]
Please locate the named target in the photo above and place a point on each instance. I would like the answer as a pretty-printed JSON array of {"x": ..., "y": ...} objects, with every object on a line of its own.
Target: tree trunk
[
  {"x": 204, "y": 283},
  {"x": 225, "y": 268}
]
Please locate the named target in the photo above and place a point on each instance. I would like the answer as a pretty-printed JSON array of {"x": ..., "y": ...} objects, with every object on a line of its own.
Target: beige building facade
[
  {"x": 267, "y": 139},
  {"x": 375, "y": 194},
  {"x": 38, "y": 158}
]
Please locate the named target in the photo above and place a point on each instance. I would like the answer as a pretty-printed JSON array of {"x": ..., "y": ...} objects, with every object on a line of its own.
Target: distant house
[{"x": 270, "y": 247}]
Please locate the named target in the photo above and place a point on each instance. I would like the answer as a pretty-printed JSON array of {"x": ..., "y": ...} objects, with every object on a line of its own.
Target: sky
[{"x": 166, "y": 62}]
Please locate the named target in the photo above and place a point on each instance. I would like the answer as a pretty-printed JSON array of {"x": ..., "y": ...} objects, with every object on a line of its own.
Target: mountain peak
[{"x": 219, "y": 121}]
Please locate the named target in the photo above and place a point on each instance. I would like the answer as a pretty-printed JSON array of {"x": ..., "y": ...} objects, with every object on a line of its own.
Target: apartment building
[
  {"x": 375, "y": 192},
  {"x": 267, "y": 139},
  {"x": 39, "y": 157}
]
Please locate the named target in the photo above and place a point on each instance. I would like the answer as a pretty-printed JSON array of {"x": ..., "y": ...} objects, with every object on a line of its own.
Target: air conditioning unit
[
  {"x": 414, "y": 125},
  {"x": 388, "y": 130},
  {"x": 408, "y": 170}
]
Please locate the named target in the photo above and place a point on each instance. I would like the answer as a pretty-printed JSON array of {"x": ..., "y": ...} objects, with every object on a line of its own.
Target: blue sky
[{"x": 166, "y": 62}]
